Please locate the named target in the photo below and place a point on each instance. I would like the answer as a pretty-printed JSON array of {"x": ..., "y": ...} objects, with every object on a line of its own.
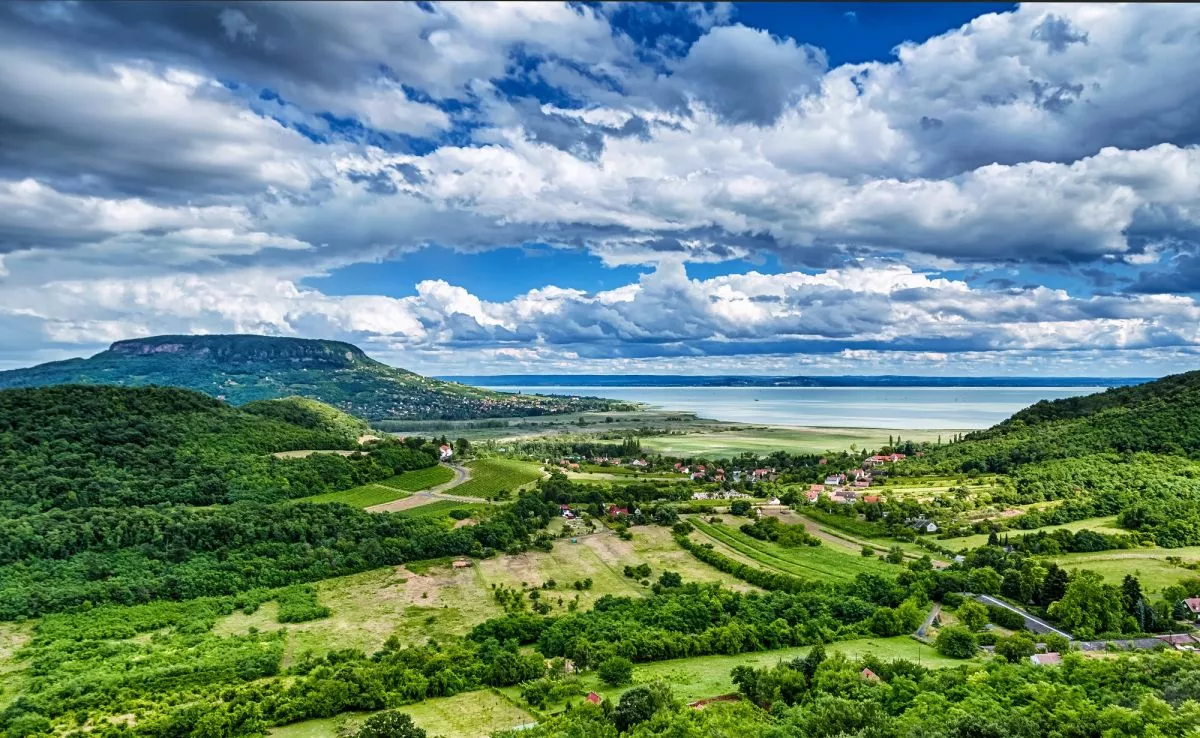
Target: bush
[
  {"x": 1006, "y": 618},
  {"x": 739, "y": 507},
  {"x": 1017, "y": 648},
  {"x": 952, "y": 599},
  {"x": 973, "y": 615},
  {"x": 390, "y": 724},
  {"x": 868, "y": 552},
  {"x": 615, "y": 671},
  {"x": 957, "y": 643}
]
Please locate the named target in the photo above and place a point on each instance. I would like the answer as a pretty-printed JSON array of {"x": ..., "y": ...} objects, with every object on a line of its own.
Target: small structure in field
[
  {"x": 594, "y": 698},
  {"x": 461, "y": 564}
]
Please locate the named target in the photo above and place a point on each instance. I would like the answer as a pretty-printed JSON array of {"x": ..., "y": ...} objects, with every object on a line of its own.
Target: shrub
[
  {"x": 615, "y": 671},
  {"x": 390, "y": 724},
  {"x": 957, "y": 643}
]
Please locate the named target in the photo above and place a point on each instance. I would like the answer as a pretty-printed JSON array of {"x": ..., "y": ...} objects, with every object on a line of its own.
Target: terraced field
[
  {"x": 822, "y": 562},
  {"x": 493, "y": 477},
  {"x": 1100, "y": 525},
  {"x": 439, "y": 508}
]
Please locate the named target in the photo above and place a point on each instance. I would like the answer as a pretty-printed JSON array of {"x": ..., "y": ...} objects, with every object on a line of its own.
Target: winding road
[{"x": 461, "y": 474}]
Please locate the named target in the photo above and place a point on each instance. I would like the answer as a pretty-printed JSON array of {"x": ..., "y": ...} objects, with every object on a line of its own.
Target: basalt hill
[{"x": 245, "y": 368}]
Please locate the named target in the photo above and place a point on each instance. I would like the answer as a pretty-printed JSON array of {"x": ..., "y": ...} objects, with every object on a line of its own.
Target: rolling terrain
[{"x": 245, "y": 368}]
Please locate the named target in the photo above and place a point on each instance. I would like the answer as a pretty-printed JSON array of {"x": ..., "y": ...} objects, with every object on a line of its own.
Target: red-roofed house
[
  {"x": 813, "y": 495},
  {"x": 869, "y": 675},
  {"x": 816, "y": 488},
  {"x": 1046, "y": 659},
  {"x": 594, "y": 698},
  {"x": 445, "y": 451},
  {"x": 616, "y": 512},
  {"x": 871, "y": 499},
  {"x": 1193, "y": 606}
]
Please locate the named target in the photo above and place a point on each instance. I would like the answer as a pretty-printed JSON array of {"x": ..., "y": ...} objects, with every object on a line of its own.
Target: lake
[{"x": 902, "y": 408}]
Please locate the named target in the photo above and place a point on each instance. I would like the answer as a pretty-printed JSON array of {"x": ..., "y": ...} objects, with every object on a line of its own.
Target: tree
[
  {"x": 462, "y": 447},
  {"x": 984, "y": 580},
  {"x": 973, "y": 615},
  {"x": 390, "y": 724},
  {"x": 1089, "y": 607},
  {"x": 1054, "y": 585},
  {"x": 957, "y": 643},
  {"x": 670, "y": 579},
  {"x": 895, "y": 555},
  {"x": 812, "y": 660},
  {"x": 1131, "y": 593},
  {"x": 739, "y": 507},
  {"x": 868, "y": 552},
  {"x": 1016, "y": 649},
  {"x": 615, "y": 671},
  {"x": 640, "y": 703}
]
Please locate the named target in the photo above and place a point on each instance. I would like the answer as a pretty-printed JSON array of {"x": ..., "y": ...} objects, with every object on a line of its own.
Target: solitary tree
[{"x": 390, "y": 724}]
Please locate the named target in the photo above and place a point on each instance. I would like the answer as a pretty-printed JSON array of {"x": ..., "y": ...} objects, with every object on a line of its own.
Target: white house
[{"x": 445, "y": 452}]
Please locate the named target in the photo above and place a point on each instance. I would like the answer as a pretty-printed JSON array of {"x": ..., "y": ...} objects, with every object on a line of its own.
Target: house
[
  {"x": 924, "y": 525},
  {"x": 1046, "y": 659},
  {"x": 813, "y": 495},
  {"x": 1193, "y": 606},
  {"x": 737, "y": 475},
  {"x": 872, "y": 499},
  {"x": 862, "y": 483},
  {"x": 773, "y": 501},
  {"x": 849, "y": 497},
  {"x": 869, "y": 675},
  {"x": 616, "y": 512},
  {"x": 566, "y": 512},
  {"x": 445, "y": 452},
  {"x": 818, "y": 488},
  {"x": 835, "y": 479},
  {"x": 758, "y": 474},
  {"x": 594, "y": 698},
  {"x": 639, "y": 463}
]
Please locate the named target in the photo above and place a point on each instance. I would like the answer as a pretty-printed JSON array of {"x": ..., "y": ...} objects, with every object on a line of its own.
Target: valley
[{"x": 310, "y": 572}]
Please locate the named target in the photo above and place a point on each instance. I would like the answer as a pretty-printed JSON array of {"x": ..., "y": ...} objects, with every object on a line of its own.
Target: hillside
[
  {"x": 73, "y": 446},
  {"x": 244, "y": 368},
  {"x": 1159, "y": 417}
]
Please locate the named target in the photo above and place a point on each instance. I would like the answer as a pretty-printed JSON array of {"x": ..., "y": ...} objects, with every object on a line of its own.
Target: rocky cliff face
[{"x": 228, "y": 349}]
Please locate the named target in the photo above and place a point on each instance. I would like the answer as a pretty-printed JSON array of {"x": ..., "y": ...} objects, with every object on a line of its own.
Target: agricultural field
[
  {"x": 492, "y": 477},
  {"x": 387, "y": 490},
  {"x": 824, "y": 562},
  {"x": 1100, "y": 525},
  {"x": 437, "y": 508},
  {"x": 765, "y": 440}
]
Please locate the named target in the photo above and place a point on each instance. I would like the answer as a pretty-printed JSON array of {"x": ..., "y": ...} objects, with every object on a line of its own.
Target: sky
[{"x": 508, "y": 188}]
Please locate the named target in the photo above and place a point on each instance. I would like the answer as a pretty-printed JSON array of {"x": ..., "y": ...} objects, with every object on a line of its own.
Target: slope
[{"x": 245, "y": 368}]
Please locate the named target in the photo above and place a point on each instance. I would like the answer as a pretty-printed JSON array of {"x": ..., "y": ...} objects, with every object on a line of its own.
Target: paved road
[
  {"x": 933, "y": 613},
  {"x": 1033, "y": 623}
]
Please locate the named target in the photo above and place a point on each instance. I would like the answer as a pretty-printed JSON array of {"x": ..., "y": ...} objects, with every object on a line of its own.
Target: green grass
[
  {"x": 439, "y": 508},
  {"x": 1149, "y": 565},
  {"x": 495, "y": 476},
  {"x": 395, "y": 488},
  {"x": 765, "y": 440},
  {"x": 822, "y": 562},
  {"x": 466, "y": 715},
  {"x": 1101, "y": 525}
]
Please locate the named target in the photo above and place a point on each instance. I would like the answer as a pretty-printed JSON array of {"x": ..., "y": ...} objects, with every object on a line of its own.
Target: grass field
[
  {"x": 824, "y": 562},
  {"x": 387, "y": 490},
  {"x": 367, "y": 608},
  {"x": 439, "y": 508},
  {"x": 765, "y": 440},
  {"x": 466, "y": 715},
  {"x": 1149, "y": 565},
  {"x": 1100, "y": 525},
  {"x": 494, "y": 476}
]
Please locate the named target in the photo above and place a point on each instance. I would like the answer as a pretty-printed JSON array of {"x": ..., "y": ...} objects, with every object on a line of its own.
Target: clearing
[
  {"x": 1100, "y": 525},
  {"x": 1149, "y": 565},
  {"x": 465, "y": 715},
  {"x": 369, "y": 607},
  {"x": 387, "y": 490}
]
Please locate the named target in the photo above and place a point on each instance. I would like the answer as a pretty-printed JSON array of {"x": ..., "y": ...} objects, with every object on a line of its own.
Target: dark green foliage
[
  {"x": 957, "y": 643},
  {"x": 772, "y": 580},
  {"x": 770, "y": 529},
  {"x": 245, "y": 368},
  {"x": 640, "y": 703},
  {"x": 615, "y": 671},
  {"x": 299, "y": 604},
  {"x": 390, "y": 724},
  {"x": 739, "y": 507}
]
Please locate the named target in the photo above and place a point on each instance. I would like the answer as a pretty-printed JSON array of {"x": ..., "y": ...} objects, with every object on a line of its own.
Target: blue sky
[{"x": 473, "y": 188}]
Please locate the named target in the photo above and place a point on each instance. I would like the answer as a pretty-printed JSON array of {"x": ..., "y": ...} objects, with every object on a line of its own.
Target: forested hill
[
  {"x": 244, "y": 368},
  {"x": 73, "y": 446},
  {"x": 1162, "y": 417}
]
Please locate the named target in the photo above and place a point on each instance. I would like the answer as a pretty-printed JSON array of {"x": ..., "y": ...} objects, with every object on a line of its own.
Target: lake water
[{"x": 901, "y": 408}]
